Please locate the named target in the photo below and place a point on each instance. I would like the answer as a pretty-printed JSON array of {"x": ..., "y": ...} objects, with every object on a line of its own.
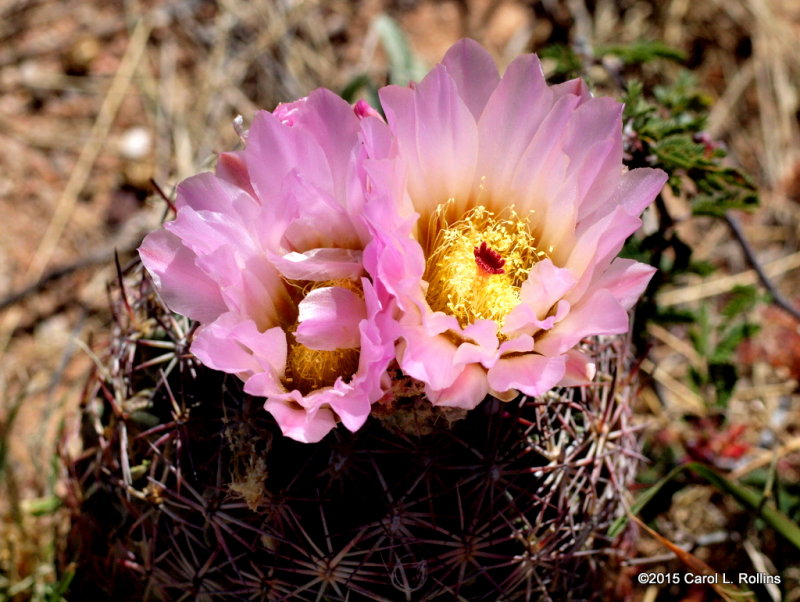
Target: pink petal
[
  {"x": 274, "y": 150},
  {"x": 540, "y": 171},
  {"x": 329, "y": 319},
  {"x": 580, "y": 369},
  {"x": 576, "y": 87},
  {"x": 596, "y": 245},
  {"x": 468, "y": 390},
  {"x": 626, "y": 279},
  {"x": 252, "y": 286},
  {"x": 474, "y": 72},
  {"x": 351, "y": 407},
  {"x": 594, "y": 144},
  {"x": 185, "y": 288},
  {"x": 483, "y": 332},
  {"x": 299, "y": 424},
  {"x": 320, "y": 264},
  {"x": 510, "y": 120},
  {"x": 545, "y": 286},
  {"x": 530, "y": 374},
  {"x": 600, "y": 314},
  {"x": 469, "y": 353},
  {"x": 519, "y": 344},
  {"x": 320, "y": 221},
  {"x": 232, "y": 168},
  {"x": 430, "y": 359},
  {"x": 376, "y": 137},
  {"x": 363, "y": 109},
  {"x": 437, "y": 137},
  {"x": 207, "y": 192},
  {"x": 638, "y": 188},
  {"x": 334, "y": 126},
  {"x": 206, "y": 231},
  {"x": 235, "y": 345}
]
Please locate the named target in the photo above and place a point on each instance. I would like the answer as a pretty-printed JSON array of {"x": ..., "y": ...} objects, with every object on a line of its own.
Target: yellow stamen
[
  {"x": 310, "y": 369},
  {"x": 457, "y": 285}
]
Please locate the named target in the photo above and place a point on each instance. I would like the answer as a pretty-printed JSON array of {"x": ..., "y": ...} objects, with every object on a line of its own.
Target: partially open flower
[
  {"x": 267, "y": 254},
  {"x": 515, "y": 204}
]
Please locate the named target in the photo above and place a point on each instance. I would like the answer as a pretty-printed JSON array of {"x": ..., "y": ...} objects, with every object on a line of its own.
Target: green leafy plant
[{"x": 716, "y": 338}]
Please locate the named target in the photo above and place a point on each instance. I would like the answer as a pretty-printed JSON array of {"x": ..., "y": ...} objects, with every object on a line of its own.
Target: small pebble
[{"x": 135, "y": 143}]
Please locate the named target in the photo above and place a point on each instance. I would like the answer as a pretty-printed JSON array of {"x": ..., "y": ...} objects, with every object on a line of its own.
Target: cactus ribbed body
[{"x": 187, "y": 490}]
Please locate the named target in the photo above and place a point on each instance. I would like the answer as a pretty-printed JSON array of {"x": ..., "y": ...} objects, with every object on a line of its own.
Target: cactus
[{"x": 185, "y": 488}]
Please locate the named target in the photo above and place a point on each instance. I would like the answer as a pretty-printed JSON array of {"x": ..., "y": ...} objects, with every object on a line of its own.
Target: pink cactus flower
[
  {"x": 514, "y": 203},
  {"x": 267, "y": 255}
]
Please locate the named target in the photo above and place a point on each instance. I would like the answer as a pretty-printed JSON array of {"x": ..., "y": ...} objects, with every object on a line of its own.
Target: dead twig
[
  {"x": 99, "y": 257},
  {"x": 777, "y": 297}
]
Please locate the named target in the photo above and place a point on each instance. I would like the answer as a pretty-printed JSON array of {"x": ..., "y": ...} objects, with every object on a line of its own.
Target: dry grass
[{"x": 78, "y": 80}]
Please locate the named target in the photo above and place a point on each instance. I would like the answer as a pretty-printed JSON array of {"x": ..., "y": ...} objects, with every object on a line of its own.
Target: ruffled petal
[
  {"x": 530, "y": 374},
  {"x": 329, "y": 318},
  {"x": 320, "y": 264},
  {"x": 184, "y": 287},
  {"x": 466, "y": 392},
  {"x": 236, "y": 346},
  {"x": 299, "y": 424},
  {"x": 599, "y": 314},
  {"x": 545, "y": 286},
  {"x": 430, "y": 359}
]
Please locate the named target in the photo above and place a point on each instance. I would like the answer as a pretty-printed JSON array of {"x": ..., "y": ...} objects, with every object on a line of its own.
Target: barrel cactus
[{"x": 430, "y": 310}]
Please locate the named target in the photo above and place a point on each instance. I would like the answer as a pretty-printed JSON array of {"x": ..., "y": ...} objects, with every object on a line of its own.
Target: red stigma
[{"x": 489, "y": 260}]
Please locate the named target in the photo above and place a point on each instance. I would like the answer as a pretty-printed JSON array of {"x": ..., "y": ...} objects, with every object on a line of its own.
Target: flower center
[
  {"x": 310, "y": 369},
  {"x": 489, "y": 260},
  {"x": 475, "y": 267}
]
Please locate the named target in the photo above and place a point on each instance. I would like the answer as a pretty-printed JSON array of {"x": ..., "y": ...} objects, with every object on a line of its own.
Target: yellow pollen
[
  {"x": 457, "y": 285},
  {"x": 310, "y": 369}
]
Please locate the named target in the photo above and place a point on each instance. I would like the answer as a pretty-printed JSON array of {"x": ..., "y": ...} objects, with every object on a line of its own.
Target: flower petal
[
  {"x": 474, "y": 72},
  {"x": 594, "y": 145},
  {"x": 466, "y": 392},
  {"x": 299, "y": 424},
  {"x": 600, "y": 313},
  {"x": 545, "y": 286},
  {"x": 580, "y": 369},
  {"x": 430, "y": 359},
  {"x": 438, "y": 138},
  {"x": 510, "y": 120},
  {"x": 626, "y": 279},
  {"x": 320, "y": 264},
  {"x": 329, "y": 318},
  {"x": 235, "y": 345},
  {"x": 184, "y": 287},
  {"x": 274, "y": 150},
  {"x": 530, "y": 374},
  {"x": 638, "y": 188}
]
